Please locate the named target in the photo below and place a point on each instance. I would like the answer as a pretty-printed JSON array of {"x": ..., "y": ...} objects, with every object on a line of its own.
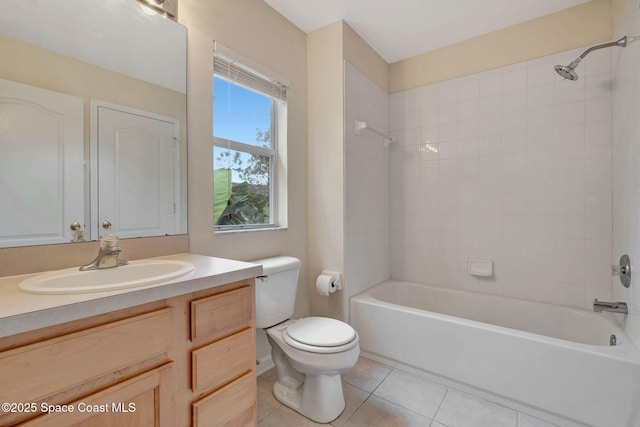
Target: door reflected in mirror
[{"x": 89, "y": 51}]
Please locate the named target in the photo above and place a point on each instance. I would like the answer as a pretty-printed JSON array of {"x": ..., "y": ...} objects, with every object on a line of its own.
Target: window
[{"x": 249, "y": 128}]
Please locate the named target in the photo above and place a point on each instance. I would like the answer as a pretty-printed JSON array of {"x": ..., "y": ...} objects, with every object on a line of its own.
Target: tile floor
[{"x": 379, "y": 395}]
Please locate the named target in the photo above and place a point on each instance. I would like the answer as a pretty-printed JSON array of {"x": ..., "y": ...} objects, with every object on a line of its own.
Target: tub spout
[{"x": 614, "y": 307}]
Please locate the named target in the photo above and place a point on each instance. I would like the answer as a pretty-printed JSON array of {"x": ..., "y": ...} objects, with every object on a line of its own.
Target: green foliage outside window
[{"x": 247, "y": 201}]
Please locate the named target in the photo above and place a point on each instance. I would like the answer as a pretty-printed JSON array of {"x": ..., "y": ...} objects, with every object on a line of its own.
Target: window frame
[{"x": 277, "y": 159}]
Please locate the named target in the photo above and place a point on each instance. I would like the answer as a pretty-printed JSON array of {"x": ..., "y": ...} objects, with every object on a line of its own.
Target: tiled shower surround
[
  {"x": 513, "y": 165},
  {"x": 367, "y": 185}
]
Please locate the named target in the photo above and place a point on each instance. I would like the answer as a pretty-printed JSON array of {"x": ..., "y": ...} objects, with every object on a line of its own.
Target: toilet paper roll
[{"x": 325, "y": 284}]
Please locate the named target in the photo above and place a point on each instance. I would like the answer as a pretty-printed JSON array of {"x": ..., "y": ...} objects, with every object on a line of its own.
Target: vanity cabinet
[
  {"x": 186, "y": 360},
  {"x": 105, "y": 370}
]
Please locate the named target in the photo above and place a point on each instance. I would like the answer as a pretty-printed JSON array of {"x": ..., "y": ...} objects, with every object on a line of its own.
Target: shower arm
[{"x": 622, "y": 42}]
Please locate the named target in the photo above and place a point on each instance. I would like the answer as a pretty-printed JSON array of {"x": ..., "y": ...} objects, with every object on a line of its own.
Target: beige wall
[
  {"x": 589, "y": 23},
  {"x": 325, "y": 162},
  {"x": 327, "y": 49},
  {"x": 618, "y": 8},
  {"x": 263, "y": 39},
  {"x": 364, "y": 58}
]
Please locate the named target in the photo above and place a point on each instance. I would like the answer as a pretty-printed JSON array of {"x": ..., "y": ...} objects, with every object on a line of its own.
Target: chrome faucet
[
  {"x": 107, "y": 255},
  {"x": 614, "y": 307}
]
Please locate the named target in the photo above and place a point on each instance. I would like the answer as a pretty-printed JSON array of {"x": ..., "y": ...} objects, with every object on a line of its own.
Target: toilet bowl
[
  {"x": 311, "y": 353},
  {"x": 309, "y": 375}
]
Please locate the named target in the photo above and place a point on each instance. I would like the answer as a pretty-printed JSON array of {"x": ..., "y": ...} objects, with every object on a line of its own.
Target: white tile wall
[
  {"x": 367, "y": 181},
  {"x": 512, "y": 164},
  {"x": 626, "y": 158}
]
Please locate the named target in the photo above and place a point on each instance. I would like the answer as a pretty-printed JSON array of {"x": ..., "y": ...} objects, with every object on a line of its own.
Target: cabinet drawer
[
  {"x": 232, "y": 405},
  {"x": 221, "y": 315},
  {"x": 43, "y": 369},
  {"x": 220, "y": 362},
  {"x": 144, "y": 400}
]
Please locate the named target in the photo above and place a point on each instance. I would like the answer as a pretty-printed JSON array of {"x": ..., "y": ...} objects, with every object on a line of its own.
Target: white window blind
[{"x": 237, "y": 73}]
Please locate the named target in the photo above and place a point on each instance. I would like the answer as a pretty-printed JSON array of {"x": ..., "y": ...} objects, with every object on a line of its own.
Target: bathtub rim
[{"x": 625, "y": 350}]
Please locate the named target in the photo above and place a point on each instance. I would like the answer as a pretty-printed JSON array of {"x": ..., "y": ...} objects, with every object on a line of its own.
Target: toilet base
[
  {"x": 319, "y": 398},
  {"x": 309, "y": 383}
]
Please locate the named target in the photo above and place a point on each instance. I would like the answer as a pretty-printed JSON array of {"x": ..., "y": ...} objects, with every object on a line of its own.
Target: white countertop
[{"x": 22, "y": 312}]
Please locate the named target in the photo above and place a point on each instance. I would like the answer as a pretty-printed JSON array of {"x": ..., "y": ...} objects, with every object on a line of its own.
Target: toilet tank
[{"x": 276, "y": 290}]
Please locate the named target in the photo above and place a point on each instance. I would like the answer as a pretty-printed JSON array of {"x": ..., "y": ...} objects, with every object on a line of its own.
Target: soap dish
[{"x": 480, "y": 267}]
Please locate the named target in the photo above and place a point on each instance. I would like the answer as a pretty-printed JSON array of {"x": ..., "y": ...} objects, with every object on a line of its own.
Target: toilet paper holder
[{"x": 337, "y": 282}]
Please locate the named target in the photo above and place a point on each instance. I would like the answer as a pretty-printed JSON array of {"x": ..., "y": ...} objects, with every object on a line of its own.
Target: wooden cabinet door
[{"x": 144, "y": 400}]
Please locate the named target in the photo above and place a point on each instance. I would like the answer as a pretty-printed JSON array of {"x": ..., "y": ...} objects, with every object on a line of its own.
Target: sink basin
[{"x": 74, "y": 281}]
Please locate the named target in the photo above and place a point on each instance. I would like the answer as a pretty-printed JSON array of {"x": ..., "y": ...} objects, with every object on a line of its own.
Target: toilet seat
[{"x": 320, "y": 335}]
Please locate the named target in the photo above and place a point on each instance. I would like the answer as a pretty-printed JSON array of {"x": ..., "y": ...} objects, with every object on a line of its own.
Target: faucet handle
[
  {"x": 108, "y": 241},
  {"x": 623, "y": 270}
]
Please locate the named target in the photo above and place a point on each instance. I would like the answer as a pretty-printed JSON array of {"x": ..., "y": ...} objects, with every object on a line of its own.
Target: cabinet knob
[
  {"x": 75, "y": 226},
  {"x": 106, "y": 224}
]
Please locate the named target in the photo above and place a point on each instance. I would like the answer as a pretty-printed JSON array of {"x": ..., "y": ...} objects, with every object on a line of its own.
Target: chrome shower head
[{"x": 568, "y": 71}]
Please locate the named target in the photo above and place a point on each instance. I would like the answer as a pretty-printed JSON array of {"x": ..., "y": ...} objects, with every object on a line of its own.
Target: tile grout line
[
  {"x": 432, "y": 420},
  {"x": 380, "y": 383},
  {"x": 400, "y": 406},
  {"x": 368, "y": 397},
  {"x": 356, "y": 411},
  {"x": 435, "y": 414}
]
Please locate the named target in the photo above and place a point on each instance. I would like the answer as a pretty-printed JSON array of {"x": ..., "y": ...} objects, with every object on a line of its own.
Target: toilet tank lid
[{"x": 278, "y": 264}]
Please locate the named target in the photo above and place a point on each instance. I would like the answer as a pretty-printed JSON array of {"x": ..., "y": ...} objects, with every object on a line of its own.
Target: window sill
[{"x": 249, "y": 230}]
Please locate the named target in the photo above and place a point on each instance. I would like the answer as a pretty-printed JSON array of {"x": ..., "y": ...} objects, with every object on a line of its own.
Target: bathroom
[{"x": 552, "y": 216}]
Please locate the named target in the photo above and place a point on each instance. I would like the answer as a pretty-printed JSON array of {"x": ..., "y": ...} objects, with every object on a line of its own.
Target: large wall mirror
[{"x": 92, "y": 122}]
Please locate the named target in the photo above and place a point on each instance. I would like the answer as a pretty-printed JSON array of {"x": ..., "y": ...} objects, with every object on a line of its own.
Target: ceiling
[{"x": 399, "y": 29}]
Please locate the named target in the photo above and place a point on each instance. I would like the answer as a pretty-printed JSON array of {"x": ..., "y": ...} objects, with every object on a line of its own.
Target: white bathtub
[{"x": 553, "y": 359}]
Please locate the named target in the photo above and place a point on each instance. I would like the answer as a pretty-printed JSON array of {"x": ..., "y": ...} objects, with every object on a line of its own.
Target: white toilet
[{"x": 309, "y": 353}]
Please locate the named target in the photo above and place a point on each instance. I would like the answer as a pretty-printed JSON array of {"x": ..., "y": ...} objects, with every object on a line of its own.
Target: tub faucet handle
[{"x": 623, "y": 270}]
